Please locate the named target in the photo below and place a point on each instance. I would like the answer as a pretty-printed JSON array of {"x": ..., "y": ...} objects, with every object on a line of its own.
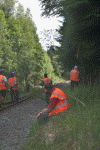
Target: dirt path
[{"x": 15, "y": 122}]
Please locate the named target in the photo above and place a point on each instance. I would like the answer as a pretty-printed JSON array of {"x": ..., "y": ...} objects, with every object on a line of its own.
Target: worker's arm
[
  {"x": 50, "y": 107},
  {"x": 7, "y": 85},
  {"x": 46, "y": 110},
  {"x": 5, "y": 80},
  {"x": 15, "y": 83},
  {"x": 70, "y": 72}
]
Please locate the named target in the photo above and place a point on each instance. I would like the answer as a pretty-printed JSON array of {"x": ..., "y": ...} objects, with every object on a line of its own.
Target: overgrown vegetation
[
  {"x": 77, "y": 128},
  {"x": 79, "y": 35}
]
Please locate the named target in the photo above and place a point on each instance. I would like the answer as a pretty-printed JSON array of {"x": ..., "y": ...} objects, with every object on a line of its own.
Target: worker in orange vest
[
  {"x": 13, "y": 87},
  {"x": 3, "y": 87},
  {"x": 58, "y": 104},
  {"x": 74, "y": 77},
  {"x": 46, "y": 81}
]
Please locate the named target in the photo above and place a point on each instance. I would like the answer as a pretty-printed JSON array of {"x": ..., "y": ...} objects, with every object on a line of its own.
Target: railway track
[
  {"x": 10, "y": 104},
  {"x": 26, "y": 97}
]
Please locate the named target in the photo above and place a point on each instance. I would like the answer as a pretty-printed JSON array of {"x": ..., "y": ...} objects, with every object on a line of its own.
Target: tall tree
[
  {"x": 8, "y": 7},
  {"x": 20, "y": 11},
  {"x": 5, "y": 48},
  {"x": 20, "y": 49},
  {"x": 80, "y": 32},
  {"x": 52, "y": 52}
]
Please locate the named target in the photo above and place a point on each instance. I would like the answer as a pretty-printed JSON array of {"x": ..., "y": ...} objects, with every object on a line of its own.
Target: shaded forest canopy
[{"x": 79, "y": 35}]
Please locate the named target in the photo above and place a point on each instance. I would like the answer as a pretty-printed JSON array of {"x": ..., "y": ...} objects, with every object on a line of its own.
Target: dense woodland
[
  {"x": 21, "y": 51},
  {"x": 79, "y": 35}
]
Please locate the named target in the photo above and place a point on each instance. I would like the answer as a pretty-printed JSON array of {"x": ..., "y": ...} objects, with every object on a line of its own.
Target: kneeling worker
[{"x": 58, "y": 104}]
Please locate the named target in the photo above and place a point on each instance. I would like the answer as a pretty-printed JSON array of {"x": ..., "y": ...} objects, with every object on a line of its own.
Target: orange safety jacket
[
  {"x": 12, "y": 81},
  {"x": 46, "y": 80},
  {"x": 2, "y": 83},
  {"x": 63, "y": 104},
  {"x": 74, "y": 75}
]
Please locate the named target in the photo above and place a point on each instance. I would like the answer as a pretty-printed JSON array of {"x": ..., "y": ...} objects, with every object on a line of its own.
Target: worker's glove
[
  {"x": 39, "y": 115},
  {"x": 44, "y": 109}
]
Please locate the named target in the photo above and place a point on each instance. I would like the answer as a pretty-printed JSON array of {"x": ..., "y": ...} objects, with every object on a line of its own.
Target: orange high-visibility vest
[
  {"x": 63, "y": 104},
  {"x": 12, "y": 81},
  {"x": 2, "y": 83},
  {"x": 74, "y": 75},
  {"x": 46, "y": 80}
]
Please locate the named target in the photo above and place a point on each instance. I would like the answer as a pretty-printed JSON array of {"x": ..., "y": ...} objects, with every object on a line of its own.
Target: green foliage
[
  {"x": 79, "y": 33},
  {"x": 8, "y": 7},
  {"x": 20, "y": 11},
  {"x": 5, "y": 49},
  {"x": 37, "y": 93},
  {"x": 52, "y": 52},
  {"x": 20, "y": 49}
]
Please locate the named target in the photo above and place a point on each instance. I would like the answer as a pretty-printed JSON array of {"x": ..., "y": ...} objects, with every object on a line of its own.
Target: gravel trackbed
[{"x": 15, "y": 123}]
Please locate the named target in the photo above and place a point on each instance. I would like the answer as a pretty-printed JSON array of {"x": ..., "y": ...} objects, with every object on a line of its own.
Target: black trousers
[
  {"x": 14, "y": 95},
  {"x": 47, "y": 95},
  {"x": 74, "y": 83}
]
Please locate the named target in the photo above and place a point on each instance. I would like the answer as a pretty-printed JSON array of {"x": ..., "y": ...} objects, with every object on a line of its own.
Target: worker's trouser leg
[
  {"x": 72, "y": 85},
  {"x": 47, "y": 94},
  {"x": 3, "y": 94},
  {"x": 16, "y": 95},
  {"x": 76, "y": 83},
  {"x": 2, "y": 100},
  {"x": 43, "y": 118},
  {"x": 12, "y": 95}
]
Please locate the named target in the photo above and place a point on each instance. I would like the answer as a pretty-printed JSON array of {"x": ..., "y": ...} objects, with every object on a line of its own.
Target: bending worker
[
  {"x": 74, "y": 77},
  {"x": 3, "y": 87},
  {"x": 13, "y": 87},
  {"x": 45, "y": 83},
  {"x": 58, "y": 104}
]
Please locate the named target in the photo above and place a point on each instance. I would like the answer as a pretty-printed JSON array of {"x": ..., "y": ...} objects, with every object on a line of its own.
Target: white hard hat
[{"x": 76, "y": 67}]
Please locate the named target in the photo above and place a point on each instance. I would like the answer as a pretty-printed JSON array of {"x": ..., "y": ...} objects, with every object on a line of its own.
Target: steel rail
[{"x": 10, "y": 104}]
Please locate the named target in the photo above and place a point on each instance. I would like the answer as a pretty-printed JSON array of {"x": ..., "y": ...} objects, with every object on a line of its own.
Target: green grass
[
  {"x": 77, "y": 128},
  {"x": 37, "y": 92}
]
